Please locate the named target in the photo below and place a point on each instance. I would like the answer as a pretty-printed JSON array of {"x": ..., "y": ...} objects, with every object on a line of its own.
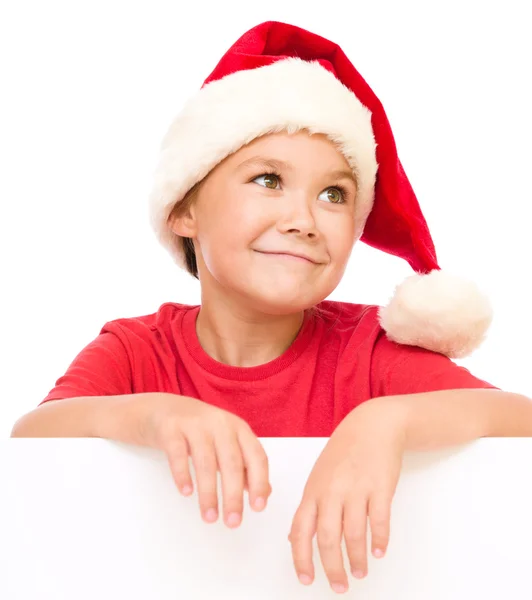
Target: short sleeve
[
  {"x": 398, "y": 369},
  {"x": 102, "y": 368}
]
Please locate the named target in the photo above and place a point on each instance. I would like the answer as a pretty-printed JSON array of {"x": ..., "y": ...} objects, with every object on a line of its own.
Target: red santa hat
[{"x": 279, "y": 77}]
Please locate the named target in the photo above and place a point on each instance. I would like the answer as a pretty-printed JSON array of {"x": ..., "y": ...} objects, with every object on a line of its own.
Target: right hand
[{"x": 216, "y": 440}]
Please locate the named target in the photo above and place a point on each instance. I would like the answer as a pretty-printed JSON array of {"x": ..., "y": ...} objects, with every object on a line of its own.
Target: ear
[{"x": 184, "y": 225}]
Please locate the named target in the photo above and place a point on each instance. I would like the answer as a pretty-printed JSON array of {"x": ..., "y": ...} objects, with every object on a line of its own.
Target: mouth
[{"x": 286, "y": 255}]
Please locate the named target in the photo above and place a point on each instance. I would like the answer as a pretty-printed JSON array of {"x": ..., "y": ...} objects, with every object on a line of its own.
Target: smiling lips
[{"x": 290, "y": 255}]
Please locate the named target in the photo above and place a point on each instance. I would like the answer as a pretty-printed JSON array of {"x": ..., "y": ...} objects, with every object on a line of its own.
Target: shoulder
[
  {"x": 363, "y": 322},
  {"x": 168, "y": 314},
  {"x": 355, "y": 327},
  {"x": 347, "y": 314}
]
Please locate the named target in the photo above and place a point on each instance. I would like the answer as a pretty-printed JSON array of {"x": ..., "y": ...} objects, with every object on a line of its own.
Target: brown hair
[{"x": 187, "y": 244}]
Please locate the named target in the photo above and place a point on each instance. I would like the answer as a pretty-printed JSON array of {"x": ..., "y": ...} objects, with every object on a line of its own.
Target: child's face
[{"x": 239, "y": 213}]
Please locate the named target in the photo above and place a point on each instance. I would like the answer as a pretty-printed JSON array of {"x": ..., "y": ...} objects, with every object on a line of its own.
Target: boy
[{"x": 267, "y": 178}]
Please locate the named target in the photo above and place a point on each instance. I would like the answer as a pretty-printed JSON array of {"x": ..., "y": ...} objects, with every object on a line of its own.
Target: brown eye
[
  {"x": 334, "y": 195},
  {"x": 270, "y": 179}
]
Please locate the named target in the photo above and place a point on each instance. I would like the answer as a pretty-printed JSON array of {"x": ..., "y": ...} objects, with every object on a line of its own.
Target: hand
[
  {"x": 355, "y": 477},
  {"x": 216, "y": 440}
]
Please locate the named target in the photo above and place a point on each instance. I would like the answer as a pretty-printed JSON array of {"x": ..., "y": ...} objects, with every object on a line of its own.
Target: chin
[{"x": 283, "y": 301}]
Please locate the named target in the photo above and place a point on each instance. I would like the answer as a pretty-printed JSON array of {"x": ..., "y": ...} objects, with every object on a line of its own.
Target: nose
[{"x": 298, "y": 216}]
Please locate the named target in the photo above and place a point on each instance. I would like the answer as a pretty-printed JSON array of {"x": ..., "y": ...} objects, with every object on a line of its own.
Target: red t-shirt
[{"x": 340, "y": 358}]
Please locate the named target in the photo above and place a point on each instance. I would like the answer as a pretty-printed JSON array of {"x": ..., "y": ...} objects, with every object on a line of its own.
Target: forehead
[{"x": 286, "y": 147}]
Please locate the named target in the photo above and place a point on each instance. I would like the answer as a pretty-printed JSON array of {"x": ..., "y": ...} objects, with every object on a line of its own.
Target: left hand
[{"x": 355, "y": 477}]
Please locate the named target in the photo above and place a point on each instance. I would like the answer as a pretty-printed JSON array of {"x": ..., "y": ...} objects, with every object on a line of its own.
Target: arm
[
  {"x": 111, "y": 417},
  {"x": 87, "y": 400},
  {"x": 356, "y": 475},
  {"x": 451, "y": 417}
]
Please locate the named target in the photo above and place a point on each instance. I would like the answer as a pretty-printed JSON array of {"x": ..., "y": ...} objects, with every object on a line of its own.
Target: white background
[
  {"x": 90, "y": 519},
  {"x": 89, "y": 89}
]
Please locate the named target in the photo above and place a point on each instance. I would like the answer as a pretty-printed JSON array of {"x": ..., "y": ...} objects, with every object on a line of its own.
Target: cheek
[
  {"x": 240, "y": 220},
  {"x": 341, "y": 236},
  {"x": 227, "y": 229}
]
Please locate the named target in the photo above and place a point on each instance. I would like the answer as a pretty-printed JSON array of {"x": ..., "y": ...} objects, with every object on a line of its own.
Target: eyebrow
[{"x": 278, "y": 165}]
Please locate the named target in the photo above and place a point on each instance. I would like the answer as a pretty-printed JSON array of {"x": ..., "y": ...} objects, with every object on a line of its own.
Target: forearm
[
  {"x": 452, "y": 417},
  {"x": 87, "y": 416},
  {"x": 69, "y": 417}
]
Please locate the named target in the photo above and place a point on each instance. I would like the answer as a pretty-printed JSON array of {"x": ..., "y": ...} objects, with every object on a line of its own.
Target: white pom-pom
[{"x": 439, "y": 312}]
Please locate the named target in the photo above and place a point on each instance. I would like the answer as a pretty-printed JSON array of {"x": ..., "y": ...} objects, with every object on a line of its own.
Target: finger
[
  {"x": 329, "y": 528},
  {"x": 231, "y": 465},
  {"x": 257, "y": 468},
  {"x": 355, "y": 534},
  {"x": 176, "y": 450},
  {"x": 206, "y": 468},
  {"x": 301, "y": 535},
  {"x": 379, "y": 517}
]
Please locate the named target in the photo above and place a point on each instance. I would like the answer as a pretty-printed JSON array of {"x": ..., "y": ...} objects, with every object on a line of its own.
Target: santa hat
[{"x": 278, "y": 77}]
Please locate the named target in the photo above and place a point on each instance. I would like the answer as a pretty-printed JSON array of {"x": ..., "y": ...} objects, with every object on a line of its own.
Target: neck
[{"x": 242, "y": 338}]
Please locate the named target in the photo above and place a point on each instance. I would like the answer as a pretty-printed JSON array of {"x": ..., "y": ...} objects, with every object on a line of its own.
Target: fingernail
[
  {"x": 305, "y": 579},
  {"x": 233, "y": 519},
  {"x": 259, "y": 503},
  {"x": 359, "y": 574},
  {"x": 187, "y": 490},
  {"x": 339, "y": 588},
  {"x": 378, "y": 553},
  {"x": 211, "y": 514}
]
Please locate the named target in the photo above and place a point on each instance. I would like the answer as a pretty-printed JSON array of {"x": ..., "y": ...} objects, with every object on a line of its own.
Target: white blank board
[{"x": 96, "y": 519}]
